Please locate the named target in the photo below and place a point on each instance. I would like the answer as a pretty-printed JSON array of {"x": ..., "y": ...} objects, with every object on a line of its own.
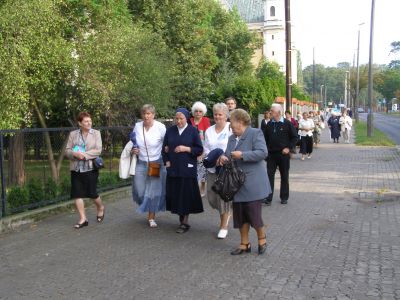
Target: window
[
  {"x": 273, "y": 37},
  {"x": 272, "y": 11},
  {"x": 273, "y": 53}
]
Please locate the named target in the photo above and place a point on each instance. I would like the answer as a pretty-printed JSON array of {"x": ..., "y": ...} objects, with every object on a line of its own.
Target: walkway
[{"x": 325, "y": 244}]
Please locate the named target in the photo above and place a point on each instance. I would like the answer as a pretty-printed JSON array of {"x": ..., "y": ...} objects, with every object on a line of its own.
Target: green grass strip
[{"x": 378, "y": 138}]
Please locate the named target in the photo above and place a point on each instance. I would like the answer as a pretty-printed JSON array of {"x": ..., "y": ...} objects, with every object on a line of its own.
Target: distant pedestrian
[
  {"x": 201, "y": 123},
  {"x": 264, "y": 122},
  {"x": 334, "y": 126},
  {"x": 288, "y": 116},
  {"x": 83, "y": 146},
  {"x": 231, "y": 103},
  {"x": 217, "y": 138},
  {"x": 280, "y": 136},
  {"x": 247, "y": 147},
  {"x": 346, "y": 124},
  {"x": 149, "y": 191},
  {"x": 181, "y": 147},
  {"x": 306, "y": 127}
]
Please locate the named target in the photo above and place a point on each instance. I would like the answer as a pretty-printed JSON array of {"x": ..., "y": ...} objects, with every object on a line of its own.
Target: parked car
[{"x": 360, "y": 110}]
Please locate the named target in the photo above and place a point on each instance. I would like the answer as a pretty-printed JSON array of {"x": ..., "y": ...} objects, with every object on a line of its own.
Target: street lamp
[
  {"x": 288, "y": 34},
  {"x": 370, "y": 74},
  {"x": 357, "y": 104},
  {"x": 345, "y": 88},
  {"x": 321, "y": 97}
]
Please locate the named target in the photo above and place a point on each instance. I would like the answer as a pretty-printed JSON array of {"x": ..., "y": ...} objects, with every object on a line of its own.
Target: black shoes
[
  {"x": 283, "y": 201},
  {"x": 80, "y": 225},
  {"x": 240, "y": 251},
  {"x": 262, "y": 248},
  {"x": 183, "y": 228},
  {"x": 267, "y": 202}
]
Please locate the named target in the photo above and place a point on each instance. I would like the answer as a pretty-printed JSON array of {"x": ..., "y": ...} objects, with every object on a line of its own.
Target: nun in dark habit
[{"x": 181, "y": 147}]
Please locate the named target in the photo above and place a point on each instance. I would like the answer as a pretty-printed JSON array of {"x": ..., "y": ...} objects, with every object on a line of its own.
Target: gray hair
[
  {"x": 221, "y": 107},
  {"x": 199, "y": 106},
  {"x": 148, "y": 107},
  {"x": 240, "y": 115},
  {"x": 276, "y": 106}
]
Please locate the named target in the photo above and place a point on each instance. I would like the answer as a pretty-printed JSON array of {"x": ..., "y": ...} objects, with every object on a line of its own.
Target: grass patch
[{"x": 378, "y": 138}]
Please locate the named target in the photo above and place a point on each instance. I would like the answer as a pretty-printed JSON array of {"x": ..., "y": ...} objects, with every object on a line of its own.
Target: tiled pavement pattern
[{"x": 324, "y": 244}]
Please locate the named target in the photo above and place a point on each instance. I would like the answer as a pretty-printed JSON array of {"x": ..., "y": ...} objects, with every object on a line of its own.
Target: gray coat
[{"x": 252, "y": 144}]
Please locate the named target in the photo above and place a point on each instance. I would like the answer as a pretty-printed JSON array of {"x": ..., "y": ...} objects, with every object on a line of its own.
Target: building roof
[{"x": 251, "y": 11}]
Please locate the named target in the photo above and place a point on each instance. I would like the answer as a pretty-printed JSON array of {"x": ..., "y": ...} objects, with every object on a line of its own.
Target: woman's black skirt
[
  {"x": 84, "y": 185},
  {"x": 183, "y": 196},
  {"x": 247, "y": 212}
]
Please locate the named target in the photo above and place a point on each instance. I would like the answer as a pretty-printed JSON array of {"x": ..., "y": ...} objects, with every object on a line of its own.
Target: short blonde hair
[
  {"x": 240, "y": 115},
  {"x": 221, "y": 107},
  {"x": 199, "y": 106}
]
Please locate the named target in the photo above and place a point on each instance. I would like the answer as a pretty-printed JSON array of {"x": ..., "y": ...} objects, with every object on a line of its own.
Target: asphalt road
[{"x": 389, "y": 124}]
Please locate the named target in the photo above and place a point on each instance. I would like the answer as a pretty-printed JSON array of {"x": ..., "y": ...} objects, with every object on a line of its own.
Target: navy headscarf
[{"x": 185, "y": 112}]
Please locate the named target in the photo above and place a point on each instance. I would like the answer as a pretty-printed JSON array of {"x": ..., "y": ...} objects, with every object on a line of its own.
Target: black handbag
[
  {"x": 98, "y": 163},
  {"x": 229, "y": 181}
]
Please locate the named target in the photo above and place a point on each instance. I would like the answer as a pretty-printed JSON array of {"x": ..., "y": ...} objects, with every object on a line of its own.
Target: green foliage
[
  {"x": 65, "y": 185},
  {"x": 35, "y": 189},
  {"x": 51, "y": 189},
  {"x": 17, "y": 196},
  {"x": 107, "y": 179}
]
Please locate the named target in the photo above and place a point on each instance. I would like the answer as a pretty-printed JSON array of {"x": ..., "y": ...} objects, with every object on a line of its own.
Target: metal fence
[{"x": 35, "y": 172}]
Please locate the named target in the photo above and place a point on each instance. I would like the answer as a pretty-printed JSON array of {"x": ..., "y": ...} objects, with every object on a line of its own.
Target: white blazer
[{"x": 127, "y": 162}]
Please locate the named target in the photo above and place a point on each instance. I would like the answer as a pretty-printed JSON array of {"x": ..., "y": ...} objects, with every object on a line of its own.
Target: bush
[
  {"x": 36, "y": 191},
  {"x": 65, "y": 185},
  {"x": 108, "y": 179},
  {"x": 51, "y": 189},
  {"x": 17, "y": 196}
]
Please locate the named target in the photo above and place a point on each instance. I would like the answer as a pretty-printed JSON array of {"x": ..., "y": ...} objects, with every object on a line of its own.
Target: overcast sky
[{"x": 331, "y": 27}]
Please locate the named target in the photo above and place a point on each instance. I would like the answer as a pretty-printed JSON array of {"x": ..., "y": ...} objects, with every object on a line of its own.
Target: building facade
[{"x": 266, "y": 18}]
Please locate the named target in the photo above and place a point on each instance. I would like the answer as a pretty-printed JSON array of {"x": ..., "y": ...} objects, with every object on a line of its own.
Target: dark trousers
[
  {"x": 281, "y": 161},
  {"x": 306, "y": 145}
]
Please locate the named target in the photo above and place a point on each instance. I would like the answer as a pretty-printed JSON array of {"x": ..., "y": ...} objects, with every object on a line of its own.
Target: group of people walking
[
  {"x": 174, "y": 169},
  {"x": 340, "y": 124}
]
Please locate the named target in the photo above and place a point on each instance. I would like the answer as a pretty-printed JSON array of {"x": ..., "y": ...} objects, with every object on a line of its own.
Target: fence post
[{"x": 3, "y": 179}]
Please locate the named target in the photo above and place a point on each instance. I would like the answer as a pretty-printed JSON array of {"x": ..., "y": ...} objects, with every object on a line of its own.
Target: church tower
[{"x": 274, "y": 36}]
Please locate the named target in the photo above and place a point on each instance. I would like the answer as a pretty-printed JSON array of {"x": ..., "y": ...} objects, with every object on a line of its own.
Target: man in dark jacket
[{"x": 280, "y": 136}]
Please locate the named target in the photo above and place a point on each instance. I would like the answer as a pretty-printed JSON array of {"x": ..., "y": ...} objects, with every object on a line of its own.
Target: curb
[{"x": 13, "y": 222}]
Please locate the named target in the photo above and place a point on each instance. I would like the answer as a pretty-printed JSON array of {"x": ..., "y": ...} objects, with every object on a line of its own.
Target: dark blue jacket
[{"x": 183, "y": 164}]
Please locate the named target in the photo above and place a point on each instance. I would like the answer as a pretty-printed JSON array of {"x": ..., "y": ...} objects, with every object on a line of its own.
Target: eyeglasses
[{"x": 198, "y": 111}]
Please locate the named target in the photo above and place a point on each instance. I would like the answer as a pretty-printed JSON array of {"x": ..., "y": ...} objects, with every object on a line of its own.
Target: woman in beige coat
[{"x": 83, "y": 146}]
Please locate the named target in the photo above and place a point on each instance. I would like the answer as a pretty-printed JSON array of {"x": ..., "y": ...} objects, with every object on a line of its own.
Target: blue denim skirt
[{"x": 149, "y": 192}]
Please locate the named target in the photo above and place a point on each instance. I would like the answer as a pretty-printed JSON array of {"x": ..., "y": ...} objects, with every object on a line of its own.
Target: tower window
[
  {"x": 273, "y": 53},
  {"x": 272, "y": 11},
  {"x": 273, "y": 37}
]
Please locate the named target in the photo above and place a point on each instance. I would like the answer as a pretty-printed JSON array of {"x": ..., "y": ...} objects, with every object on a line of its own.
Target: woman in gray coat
[{"x": 247, "y": 146}]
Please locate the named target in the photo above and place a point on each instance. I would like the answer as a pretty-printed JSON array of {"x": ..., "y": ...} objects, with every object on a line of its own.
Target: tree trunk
[
  {"x": 16, "y": 166},
  {"x": 50, "y": 154}
]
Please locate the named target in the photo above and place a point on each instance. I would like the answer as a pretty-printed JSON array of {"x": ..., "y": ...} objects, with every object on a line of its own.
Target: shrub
[
  {"x": 51, "y": 189},
  {"x": 35, "y": 189},
  {"x": 17, "y": 196},
  {"x": 65, "y": 185},
  {"x": 108, "y": 179}
]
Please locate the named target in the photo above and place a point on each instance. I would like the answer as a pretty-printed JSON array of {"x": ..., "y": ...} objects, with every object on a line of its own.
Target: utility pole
[
  {"x": 321, "y": 95},
  {"x": 326, "y": 100},
  {"x": 345, "y": 89},
  {"x": 288, "y": 31},
  {"x": 370, "y": 74},
  {"x": 357, "y": 100},
  {"x": 314, "y": 83}
]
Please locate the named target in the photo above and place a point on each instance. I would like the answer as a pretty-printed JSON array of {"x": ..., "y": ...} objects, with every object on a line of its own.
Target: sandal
[
  {"x": 101, "y": 218},
  {"x": 262, "y": 248},
  {"x": 80, "y": 225},
  {"x": 240, "y": 251},
  {"x": 183, "y": 228},
  {"x": 152, "y": 223}
]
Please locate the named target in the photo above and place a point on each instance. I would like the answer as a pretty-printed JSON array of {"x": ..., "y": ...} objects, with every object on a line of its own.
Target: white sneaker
[
  {"x": 152, "y": 223},
  {"x": 223, "y": 233}
]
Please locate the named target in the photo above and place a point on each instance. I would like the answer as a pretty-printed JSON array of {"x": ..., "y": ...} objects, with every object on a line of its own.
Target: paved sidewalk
[{"x": 325, "y": 244}]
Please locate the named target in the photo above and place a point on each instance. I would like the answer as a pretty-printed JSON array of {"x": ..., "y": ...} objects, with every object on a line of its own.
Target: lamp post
[
  {"x": 370, "y": 74},
  {"x": 321, "y": 97},
  {"x": 356, "y": 100},
  {"x": 288, "y": 31},
  {"x": 325, "y": 99},
  {"x": 345, "y": 88}
]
